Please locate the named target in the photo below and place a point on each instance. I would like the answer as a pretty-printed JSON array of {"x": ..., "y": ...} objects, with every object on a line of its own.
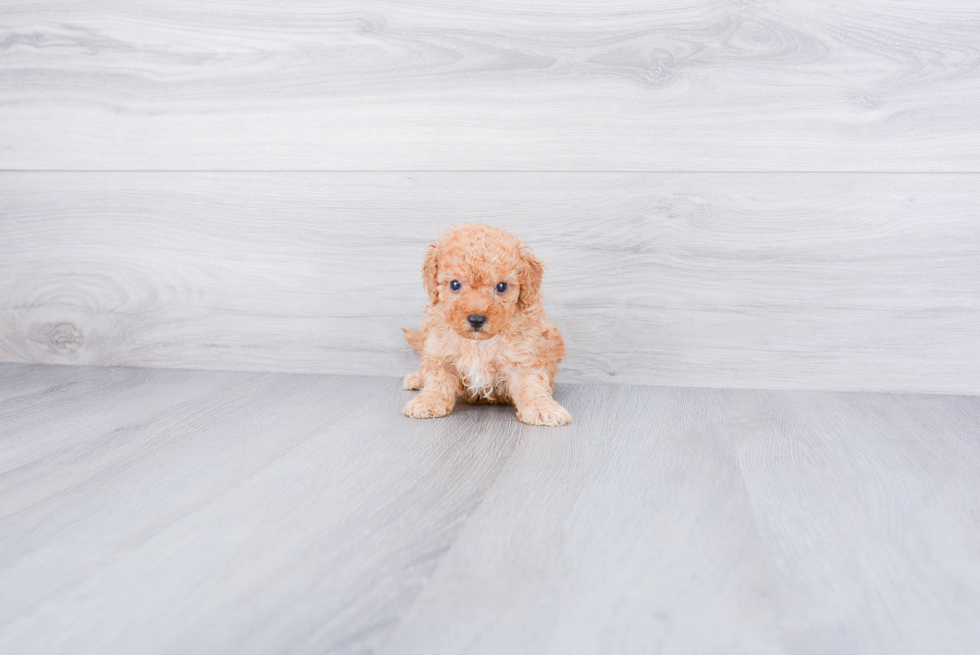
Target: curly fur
[{"x": 513, "y": 357}]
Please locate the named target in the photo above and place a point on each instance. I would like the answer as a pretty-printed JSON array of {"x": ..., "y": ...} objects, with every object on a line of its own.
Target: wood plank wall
[{"x": 775, "y": 194}]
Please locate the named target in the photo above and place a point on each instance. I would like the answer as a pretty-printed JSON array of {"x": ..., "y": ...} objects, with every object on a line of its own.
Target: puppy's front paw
[
  {"x": 545, "y": 413},
  {"x": 423, "y": 406},
  {"x": 413, "y": 381}
]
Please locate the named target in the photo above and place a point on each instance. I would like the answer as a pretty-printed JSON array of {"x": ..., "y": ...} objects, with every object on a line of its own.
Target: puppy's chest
[{"x": 478, "y": 365}]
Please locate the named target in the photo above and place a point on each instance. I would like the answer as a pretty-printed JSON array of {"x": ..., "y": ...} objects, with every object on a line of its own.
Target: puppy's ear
[
  {"x": 530, "y": 279},
  {"x": 429, "y": 269}
]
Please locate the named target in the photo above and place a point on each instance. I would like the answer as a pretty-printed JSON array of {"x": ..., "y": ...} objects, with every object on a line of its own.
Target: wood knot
[{"x": 60, "y": 338}]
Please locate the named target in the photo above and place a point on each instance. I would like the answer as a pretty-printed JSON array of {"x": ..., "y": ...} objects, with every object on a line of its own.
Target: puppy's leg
[
  {"x": 413, "y": 381},
  {"x": 440, "y": 387},
  {"x": 531, "y": 392}
]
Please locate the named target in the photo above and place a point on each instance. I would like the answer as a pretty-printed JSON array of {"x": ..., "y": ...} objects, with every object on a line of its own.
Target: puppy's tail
[{"x": 415, "y": 339}]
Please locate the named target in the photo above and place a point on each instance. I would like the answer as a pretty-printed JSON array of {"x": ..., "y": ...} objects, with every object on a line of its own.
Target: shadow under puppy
[{"x": 485, "y": 337}]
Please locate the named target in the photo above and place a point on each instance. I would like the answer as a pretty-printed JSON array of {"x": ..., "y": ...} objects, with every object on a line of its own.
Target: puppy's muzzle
[{"x": 476, "y": 321}]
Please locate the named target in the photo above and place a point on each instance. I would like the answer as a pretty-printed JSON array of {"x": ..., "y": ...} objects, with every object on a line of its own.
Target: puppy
[{"x": 485, "y": 337}]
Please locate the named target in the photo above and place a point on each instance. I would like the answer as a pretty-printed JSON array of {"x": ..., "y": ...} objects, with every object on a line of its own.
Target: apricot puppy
[{"x": 485, "y": 337}]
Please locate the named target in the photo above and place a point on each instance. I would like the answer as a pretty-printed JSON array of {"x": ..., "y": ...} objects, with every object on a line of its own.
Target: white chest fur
[{"x": 477, "y": 365}]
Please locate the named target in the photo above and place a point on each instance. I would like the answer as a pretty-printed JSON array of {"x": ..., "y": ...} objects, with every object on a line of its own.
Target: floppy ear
[
  {"x": 530, "y": 279},
  {"x": 429, "y": 269}
]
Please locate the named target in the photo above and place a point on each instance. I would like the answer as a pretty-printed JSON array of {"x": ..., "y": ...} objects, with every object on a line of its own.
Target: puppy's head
[{"x": 478, "y": 277}]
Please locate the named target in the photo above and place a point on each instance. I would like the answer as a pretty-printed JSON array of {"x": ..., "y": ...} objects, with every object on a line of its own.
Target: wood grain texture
[
  {"x": 833, "y": 281},
  {"x": 220, "y": 512},
  {"x": 873, "y": 85},
  {"x": 718, "y": 521},
  {"x": 309, "y": 503}
]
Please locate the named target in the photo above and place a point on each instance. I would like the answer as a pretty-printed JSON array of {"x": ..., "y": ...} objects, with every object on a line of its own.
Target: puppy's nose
[{"x": 476, "y": 320}]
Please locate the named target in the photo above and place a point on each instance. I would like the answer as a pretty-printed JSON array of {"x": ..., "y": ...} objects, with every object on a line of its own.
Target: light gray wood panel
[
  {"x": 718, "y": 521},
  {"x": 869, "y": 85},
  {"x": 308, "y": 503},
  {"x": 18, "y": 380},
  {"x": 836, "y": 281},
  {"x": 92, "y": 404},
  {"x": 281, "y": 513}
]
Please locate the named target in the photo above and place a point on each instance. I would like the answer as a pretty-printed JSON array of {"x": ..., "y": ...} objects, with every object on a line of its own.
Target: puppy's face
[
  {"x": 479, "y": 277},
  {"x": 478, "y": 302}
]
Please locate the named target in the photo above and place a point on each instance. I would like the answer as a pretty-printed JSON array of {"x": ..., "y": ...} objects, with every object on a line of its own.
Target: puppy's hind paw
[
  {"x": 413, "y": 381},
  {"x": 426, "y": 407},
  {"x": 547, "y": 413}
]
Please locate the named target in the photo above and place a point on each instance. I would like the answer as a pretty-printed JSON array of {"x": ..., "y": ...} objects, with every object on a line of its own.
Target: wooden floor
[{"x": 163, "y": 511}]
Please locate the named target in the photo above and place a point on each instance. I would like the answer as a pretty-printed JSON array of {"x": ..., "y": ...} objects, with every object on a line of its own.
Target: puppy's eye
[
  {"x": 501, "y": 287},
  {"x": 455, "y": 285}
]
